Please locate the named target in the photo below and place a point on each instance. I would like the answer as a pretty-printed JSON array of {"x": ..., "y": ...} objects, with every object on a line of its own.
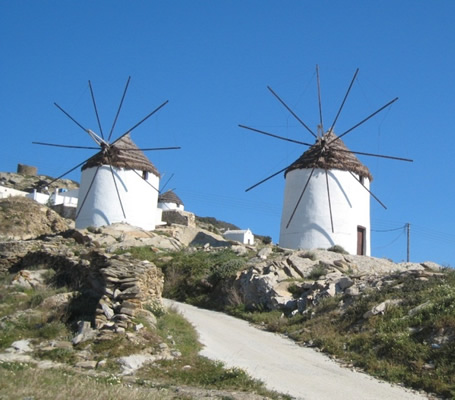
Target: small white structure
[
  {"x": 10, "y": 192},
  {"x": 242, "y": 236},
  {"x": 338, "y": 175},
  {"x": 66, "y": 197},
  {"x": 119, "y": 184},
  {"x": 170, "y": 201}
]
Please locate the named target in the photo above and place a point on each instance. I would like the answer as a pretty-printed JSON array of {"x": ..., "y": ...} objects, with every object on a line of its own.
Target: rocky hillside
[
  {"x": 22, "y": 218},
  {"x": 100, "y": 289},
  {"x": 27, "y": 183},
  {"x": 72, "y": 306}
]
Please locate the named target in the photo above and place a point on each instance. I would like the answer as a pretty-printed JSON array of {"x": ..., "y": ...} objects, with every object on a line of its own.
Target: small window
[
  {"x": 145, "y": 175},
  {"x": 362, "y": 179}
]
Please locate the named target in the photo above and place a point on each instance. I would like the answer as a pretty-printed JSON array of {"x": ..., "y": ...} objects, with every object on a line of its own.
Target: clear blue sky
[{"x": 213, "y": 61}]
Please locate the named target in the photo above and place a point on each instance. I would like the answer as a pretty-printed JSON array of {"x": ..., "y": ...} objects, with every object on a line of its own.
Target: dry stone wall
[{"x": 121, "y": 287}]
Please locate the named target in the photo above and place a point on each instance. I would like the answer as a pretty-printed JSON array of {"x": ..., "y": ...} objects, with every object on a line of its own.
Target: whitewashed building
[
  {"x": 119, "y": 184},
  {"x": 242, "y": 236},
  {"x": 327, "y": 172}
]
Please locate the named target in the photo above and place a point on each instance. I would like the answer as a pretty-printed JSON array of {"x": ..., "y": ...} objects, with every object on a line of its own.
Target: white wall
[
  {"x": 102, "y": 206},
  {"x": 310, "y": 227},
  {"x": 9, "y": 192},
  {"x": 170, "y": 206},
  {"x": 41, "y": 198},
  {"x": 242, "y": 236},
  {"x": 68, "y": 198}
]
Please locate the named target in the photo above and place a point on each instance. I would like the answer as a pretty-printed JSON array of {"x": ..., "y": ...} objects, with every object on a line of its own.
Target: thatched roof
[
  {"x": 328, "y": 154},
  {"x": 170, "y": 197},
  {"x": 122, "y": 154}
]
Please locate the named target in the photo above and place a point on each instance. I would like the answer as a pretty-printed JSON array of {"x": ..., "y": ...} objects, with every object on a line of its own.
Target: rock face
[
  {"x": 292, "y": 281},
  {"x": 22, "y": 218}
]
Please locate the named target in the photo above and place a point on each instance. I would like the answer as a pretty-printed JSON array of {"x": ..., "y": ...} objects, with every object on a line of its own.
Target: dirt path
[{"x": 284, "y": 366}]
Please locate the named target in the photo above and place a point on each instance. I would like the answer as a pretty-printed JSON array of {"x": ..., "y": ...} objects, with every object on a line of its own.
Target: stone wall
[
  {"x": 179, "y": 217},
  {"x": 65, "y": 211},
  {"x": 117, "y": 287},
  {"x": 27, "y": 170}
]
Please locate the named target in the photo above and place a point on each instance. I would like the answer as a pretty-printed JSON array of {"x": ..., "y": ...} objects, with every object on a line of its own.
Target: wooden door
[{"x": 361, "y": 238}]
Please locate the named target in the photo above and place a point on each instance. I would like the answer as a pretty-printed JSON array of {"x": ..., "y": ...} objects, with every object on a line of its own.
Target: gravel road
[{"x": 301, "y": 372}]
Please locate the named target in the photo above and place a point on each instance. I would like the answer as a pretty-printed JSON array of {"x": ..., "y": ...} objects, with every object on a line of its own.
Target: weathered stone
[
  {"x": 147, "y": 315},
  {"x": 87, "y": 364},
  {"x": 127, "y": 311},
  {"x": 108, "y": 311},
  {"x": 352, "y": 291},
  {"x": 264, "y": 253},
  {"x": 58, "y": 302},
  {"x": 21, "y": 346},
  {"x": 130, "y": 364},
  {"x": 344, "y": 283},
  {"x": 381, "y": 308},
  {"x": 30, "y": 279},
  {"x": 85, "y": 332}
]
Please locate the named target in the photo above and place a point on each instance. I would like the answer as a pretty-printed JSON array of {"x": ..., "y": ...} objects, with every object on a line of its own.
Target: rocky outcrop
[
  {"x": 22, "y": 218},
  {"x": 294, "y": 281}
]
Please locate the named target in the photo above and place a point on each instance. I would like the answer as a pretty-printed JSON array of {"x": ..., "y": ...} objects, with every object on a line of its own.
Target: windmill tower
[
  {"x": 125, "y": 174},
  {"x": 118, "y": 183},
  {"x": 311, "y": 226},
  {"x": 327, "y": 190},
  {"x": 170, "y": 201}
]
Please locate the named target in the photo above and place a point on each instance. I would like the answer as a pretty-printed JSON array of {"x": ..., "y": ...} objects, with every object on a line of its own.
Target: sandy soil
[{"x": 284, "y": 366}]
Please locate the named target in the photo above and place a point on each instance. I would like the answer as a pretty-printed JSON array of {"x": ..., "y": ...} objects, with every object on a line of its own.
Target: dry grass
[{"x": 61, "y": 385}]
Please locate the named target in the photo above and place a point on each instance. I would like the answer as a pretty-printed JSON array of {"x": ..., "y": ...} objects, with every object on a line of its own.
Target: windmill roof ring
[
  {"x": 122, "y": 154},
  {"x": 329, "y": 152}
]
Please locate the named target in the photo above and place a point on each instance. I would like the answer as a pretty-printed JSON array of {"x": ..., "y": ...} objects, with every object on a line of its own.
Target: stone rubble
[{"x": 294, "y": 280}]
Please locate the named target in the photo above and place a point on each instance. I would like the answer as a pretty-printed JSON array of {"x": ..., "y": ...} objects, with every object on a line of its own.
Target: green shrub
[
  {"x": 338, "y": 249},
  {"x": 227, "y": 269},
  {"x": 309, "y": 254},
  {"x": 317, "y": 271}
]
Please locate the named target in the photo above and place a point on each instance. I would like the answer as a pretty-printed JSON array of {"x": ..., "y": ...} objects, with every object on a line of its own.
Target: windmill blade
[
  {"x": 88, "y": 192},
  {"x": 67, "y": 172},
  {"x": 96, "y": 109},
  {"x": 376, "y": 155},
  {"x": 70, "y": 117},
  {"x": 164, "y": 186},
  {"x": 266, "y": 179},
  {"x": 116, "y": 187},
  {"x": 292, "y": 112},
  {"x": 142, "y": 120},
  {"x": 369, "y": 191},
  {"x": 66, "y": 145},
  {"x": 319, "y": 99},
  {"x": 328, "y": 195},
  {"x": 364, "y": 120},
  {"x": 344, "y": 100},
  {"x": 273, "y": 135},
  {"x": 119, "y": 108},
  {"x": 156, "y": 148},
  {"x": 300, "y": 198}
]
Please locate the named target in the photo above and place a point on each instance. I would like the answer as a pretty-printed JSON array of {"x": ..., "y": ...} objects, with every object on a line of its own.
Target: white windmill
[
  {"x": 119, "y": 183},
  {"x": 327, "y": 191}
]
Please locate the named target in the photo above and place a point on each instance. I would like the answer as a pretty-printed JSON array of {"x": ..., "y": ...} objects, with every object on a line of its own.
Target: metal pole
[{"x": 408, "y": 234}]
